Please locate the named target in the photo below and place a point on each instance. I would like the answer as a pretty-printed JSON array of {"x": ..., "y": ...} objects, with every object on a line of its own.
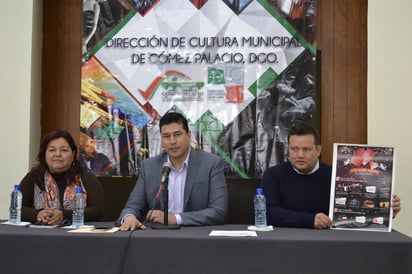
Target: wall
[
  {"x": 20, "y": 76},
  {"x": 389, "y": 98}
]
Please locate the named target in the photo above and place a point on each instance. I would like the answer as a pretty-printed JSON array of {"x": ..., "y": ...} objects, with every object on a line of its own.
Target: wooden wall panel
[
  {"x": 342, "y": 42},
  {"x": 61, "y": 65}
]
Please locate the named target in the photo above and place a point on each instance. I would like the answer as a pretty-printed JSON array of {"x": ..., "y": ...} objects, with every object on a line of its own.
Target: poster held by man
[{"x": 362, "y": 187}]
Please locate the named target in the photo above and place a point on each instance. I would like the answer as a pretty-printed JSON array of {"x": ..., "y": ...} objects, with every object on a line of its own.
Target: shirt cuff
[{"x": 178, "y": 219}]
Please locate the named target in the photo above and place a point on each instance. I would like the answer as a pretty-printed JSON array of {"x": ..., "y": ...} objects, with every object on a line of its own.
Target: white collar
[
  {"x": 185, "y": 162},
  {"x": 313, "y": 170}
]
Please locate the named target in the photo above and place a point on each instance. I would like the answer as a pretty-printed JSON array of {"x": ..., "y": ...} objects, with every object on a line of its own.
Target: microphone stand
[{"x": 165, "y": 225}]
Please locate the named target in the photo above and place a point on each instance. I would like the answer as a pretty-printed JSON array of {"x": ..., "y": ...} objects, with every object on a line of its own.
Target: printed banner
[
  {"x": 242, "y": 72},
  {"x": 362, "y": 187}
]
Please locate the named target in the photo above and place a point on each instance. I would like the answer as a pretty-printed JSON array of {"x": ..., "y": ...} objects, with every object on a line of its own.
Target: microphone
[
  {"x": 163, "y": 185},
  {"x": 165, "y": 172}
]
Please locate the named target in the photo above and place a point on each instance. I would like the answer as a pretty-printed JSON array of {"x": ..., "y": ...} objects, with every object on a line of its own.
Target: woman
[{"x": 48, "y": 189}]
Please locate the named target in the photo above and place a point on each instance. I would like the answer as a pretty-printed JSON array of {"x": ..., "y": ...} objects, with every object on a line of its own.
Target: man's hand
[
  {"x": 396, "y": 204},
  {"x": 130, "y": 222},
  {"x": 157, "y": 216},
  {"x": 322, "y": 221}
]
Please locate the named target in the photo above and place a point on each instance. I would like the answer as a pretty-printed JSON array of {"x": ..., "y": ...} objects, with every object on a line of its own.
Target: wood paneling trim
[
  {"x": 61, "y": 65},
  {"x": 342, "y": 41}
]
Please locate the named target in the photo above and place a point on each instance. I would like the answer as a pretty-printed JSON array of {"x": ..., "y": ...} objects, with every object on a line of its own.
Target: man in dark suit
[{"x": 197, "y": 185}]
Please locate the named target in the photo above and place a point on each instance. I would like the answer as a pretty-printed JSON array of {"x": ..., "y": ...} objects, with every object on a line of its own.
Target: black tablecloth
[
  {"x": 54, "y": 251},
  {"x": 192, "y": 250},
  {"x": 284, "y": 250}
]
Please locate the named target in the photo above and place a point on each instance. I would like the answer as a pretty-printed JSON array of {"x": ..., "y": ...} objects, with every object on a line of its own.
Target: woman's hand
[{"x": 51, "y": 216}]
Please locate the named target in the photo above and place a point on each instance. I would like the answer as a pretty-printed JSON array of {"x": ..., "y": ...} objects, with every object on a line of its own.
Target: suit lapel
[{"x": 190, "y": 176}]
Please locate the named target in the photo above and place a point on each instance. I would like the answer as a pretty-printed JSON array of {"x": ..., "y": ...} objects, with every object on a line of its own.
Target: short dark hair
[
  {"x": 304, "y": 129},
  {"x": 174, "y": 117}
]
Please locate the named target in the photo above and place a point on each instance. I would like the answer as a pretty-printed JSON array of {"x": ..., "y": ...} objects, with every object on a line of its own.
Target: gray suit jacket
[{"x": 205, "y": 194}]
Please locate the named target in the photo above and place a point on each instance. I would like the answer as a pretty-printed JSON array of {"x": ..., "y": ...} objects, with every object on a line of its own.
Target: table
[
  {"x": 284, "y": 250},
  {"x": 191, "y": 250},
  {"x": 54, "y": 250}
]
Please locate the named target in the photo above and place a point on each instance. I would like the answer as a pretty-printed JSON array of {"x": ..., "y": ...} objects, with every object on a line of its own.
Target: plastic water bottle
[
  {"x": 78, "y": 208},
  {"x": 15, "y": 205},
  {"x": 260, "y": 209}
]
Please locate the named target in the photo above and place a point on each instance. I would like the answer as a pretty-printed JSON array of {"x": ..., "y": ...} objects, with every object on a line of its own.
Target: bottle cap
[
  {"x": 79, "y": 190},
  {"x": 16, "y": 187},
  {"x": 259, "y": 191}
]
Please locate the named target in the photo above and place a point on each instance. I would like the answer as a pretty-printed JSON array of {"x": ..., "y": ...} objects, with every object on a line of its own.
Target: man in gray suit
[{"x": 197, "y": 185}]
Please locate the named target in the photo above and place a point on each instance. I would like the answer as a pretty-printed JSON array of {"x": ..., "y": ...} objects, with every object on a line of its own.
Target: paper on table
[
  {"x": 94, "y": 230},
  {"x": 233, "y": 233},
  {"x": 266, "y": 228},
  {"x": 75, "y": 227},
  {"x": 42, "y": 226},
  {"x": 19, "y": 224}
]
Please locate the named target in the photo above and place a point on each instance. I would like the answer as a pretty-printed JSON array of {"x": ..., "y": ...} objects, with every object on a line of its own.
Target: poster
[
  {"x": 362, "y": 187},
  {"x": 241, "y": 71}
]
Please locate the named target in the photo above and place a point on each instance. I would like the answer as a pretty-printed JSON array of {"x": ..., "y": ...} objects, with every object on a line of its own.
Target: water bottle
[
  {"x": 78, "y": 208},
  {"x": 15, "y": 205},
  {"x": 260, "y": 209}
]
